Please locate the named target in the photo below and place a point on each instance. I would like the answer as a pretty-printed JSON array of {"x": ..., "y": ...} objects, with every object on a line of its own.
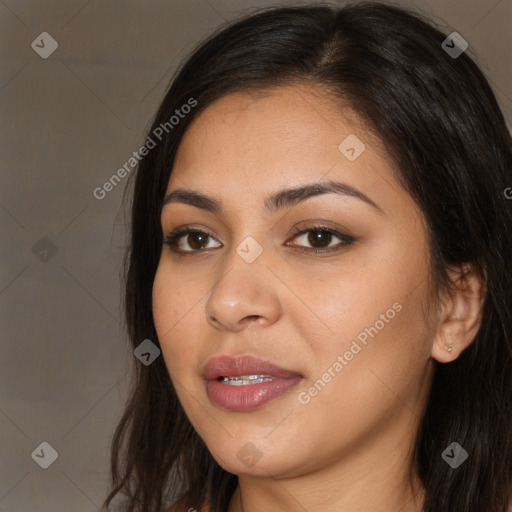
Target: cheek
[
  {"x": 385, "y": 358},
  {"x": 167, "y": 310},
  {"x": 372, "y": 332},
  {"x": 176, "y": 315},
  {"x": 163, "y": 304},
  {"x": 348, "y": 307},
  {"x": 173, "y": 300}
]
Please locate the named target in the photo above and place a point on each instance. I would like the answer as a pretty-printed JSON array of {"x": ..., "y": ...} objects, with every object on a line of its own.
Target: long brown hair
[{"x": 444, "y": 130}]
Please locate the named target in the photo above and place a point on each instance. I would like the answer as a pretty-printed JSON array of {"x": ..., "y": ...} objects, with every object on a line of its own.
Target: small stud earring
[{"x": 449, "y": 348}]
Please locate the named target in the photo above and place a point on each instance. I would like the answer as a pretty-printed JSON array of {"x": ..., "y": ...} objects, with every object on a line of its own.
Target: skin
[{"x": 350, "y": 447}]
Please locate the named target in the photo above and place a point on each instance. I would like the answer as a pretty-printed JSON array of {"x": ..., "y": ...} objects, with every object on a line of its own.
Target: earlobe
[{"x": 461, "y": 314}]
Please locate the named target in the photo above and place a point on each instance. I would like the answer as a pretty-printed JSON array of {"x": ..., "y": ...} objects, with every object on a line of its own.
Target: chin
[{"x": 256, "y": 459}]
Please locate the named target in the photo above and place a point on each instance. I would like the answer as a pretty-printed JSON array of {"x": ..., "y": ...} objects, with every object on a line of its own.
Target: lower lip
[{"x": 250, "y": 396}]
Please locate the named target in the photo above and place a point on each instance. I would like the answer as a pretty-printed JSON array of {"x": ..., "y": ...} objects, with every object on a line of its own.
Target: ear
[{"x": 461, "y": 314}]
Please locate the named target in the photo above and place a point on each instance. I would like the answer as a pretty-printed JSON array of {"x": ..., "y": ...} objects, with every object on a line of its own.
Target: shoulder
[{"x": 179, "y": 506}]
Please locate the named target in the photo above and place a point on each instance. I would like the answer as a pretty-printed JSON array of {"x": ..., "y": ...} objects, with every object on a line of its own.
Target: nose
[{"x": 245, "y": 294}]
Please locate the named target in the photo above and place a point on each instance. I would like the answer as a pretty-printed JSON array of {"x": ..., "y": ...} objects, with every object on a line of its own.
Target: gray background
[{"x": 68, "y": 123}]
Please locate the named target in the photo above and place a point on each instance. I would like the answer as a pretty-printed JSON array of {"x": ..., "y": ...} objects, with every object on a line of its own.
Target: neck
[
  {"x": 375, "y": 477},
  {"x": 370, "y": 492}
]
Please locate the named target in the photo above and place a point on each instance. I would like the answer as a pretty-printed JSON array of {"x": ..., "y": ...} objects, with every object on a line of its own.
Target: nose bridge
[{"x": 244, "y": 289}]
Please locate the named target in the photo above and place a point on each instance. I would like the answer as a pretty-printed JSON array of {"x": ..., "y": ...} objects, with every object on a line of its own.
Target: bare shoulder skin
[{"x": 179, "y": 506}]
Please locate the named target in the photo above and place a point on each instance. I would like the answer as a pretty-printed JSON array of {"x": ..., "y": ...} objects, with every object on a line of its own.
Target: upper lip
[{"x": 227, "y": 366}]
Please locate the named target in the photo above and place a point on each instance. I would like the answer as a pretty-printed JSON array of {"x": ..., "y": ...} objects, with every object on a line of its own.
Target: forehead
[
  {"x": 249, "y": 144},
  {"x": 274, "y": 118}
]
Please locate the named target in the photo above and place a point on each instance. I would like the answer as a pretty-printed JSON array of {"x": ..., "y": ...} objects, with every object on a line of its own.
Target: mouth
[
  {"x": 246, "y": 380},
  {"x": 246, "y": 383}
]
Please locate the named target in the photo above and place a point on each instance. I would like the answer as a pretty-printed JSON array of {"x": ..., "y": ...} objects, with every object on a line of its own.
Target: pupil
[{"x": 316, "y": 237}]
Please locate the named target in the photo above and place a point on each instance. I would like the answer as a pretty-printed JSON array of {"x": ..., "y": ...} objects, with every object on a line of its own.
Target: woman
[{"x": 320, "y": 249}]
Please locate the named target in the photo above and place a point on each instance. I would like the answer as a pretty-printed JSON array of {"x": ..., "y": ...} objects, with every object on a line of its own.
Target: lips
[
  {"x": 245, "y": 383},
  {"x": 225, "y": 366}
]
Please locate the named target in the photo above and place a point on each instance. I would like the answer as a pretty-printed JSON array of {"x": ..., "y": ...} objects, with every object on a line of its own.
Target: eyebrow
[{"x": 281, "y": 199}]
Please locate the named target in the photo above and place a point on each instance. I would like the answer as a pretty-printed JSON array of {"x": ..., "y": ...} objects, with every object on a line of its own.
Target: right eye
[{"x": 179, "y": 239}]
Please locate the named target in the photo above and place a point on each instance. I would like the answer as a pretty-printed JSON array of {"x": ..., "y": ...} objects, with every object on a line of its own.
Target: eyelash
[{"x": 346, "y": 240}]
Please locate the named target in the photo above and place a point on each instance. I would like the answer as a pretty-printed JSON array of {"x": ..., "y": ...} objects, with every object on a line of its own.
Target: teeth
[{"x": 245, "y": 380}]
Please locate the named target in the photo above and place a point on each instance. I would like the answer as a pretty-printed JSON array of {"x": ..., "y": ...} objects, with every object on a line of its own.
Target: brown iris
[
  {"x": 198, "y": 240},
  {"x": 319, "y": 237}
]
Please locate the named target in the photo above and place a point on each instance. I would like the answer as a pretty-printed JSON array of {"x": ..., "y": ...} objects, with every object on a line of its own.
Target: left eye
[{"x": 320, "y": 238}]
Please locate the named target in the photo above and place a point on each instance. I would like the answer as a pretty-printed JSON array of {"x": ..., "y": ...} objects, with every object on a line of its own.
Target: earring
[{"x": 449, "y": 348}]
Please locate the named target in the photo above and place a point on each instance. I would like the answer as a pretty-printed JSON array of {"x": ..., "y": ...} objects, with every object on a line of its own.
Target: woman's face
[{"x": 345, "y": 325}]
